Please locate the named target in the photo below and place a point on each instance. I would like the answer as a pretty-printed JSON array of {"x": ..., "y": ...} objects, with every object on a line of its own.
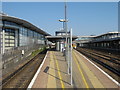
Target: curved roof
[
  {"x": 24, "y": 23},
  {"x": 109, "y": 33}
]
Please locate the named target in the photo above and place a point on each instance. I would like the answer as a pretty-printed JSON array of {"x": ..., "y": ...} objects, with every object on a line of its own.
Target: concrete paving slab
[{"x": 54, "y": 73}]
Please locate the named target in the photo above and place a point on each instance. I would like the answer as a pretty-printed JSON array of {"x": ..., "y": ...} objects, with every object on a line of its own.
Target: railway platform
[{"x": 53, "y": 73}]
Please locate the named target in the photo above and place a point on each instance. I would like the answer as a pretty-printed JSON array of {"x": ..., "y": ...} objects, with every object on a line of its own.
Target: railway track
[
  {"x": 112, "y": 60},
  {"x": 109, "y": 64},
  {"x": 23, "y": 76},
  {"x": 106, "y": 55}
]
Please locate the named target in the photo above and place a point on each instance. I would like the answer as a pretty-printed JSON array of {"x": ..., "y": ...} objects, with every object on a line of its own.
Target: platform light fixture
[{"x": 63, "y": 20}]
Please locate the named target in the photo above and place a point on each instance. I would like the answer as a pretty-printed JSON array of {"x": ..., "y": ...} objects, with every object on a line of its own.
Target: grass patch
[{"x": 34, "y": 53}]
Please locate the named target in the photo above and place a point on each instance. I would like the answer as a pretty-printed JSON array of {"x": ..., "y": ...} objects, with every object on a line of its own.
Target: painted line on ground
[
  {"x": 52, "y": 72},
  {"x": 35, "y": 76},
  {"x": 59, "y": 72},
  {"x": 100, "y": 69},
  {"x": 83, "y": 77},
  {"x": 93, "y": 79}
]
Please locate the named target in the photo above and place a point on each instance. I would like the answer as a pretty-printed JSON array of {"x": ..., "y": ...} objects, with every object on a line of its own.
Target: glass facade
[
  {"x": 28, "y": 37},
  {"x": 23, "y": 36},
  {"x": 9, "y": 38},
  {"x": 17, "y": 35}
]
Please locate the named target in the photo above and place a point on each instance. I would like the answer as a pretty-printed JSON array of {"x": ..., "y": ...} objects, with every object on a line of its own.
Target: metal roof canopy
[
  {"x": 24, "y": 23},
  {"x": 58, "y": 38}
]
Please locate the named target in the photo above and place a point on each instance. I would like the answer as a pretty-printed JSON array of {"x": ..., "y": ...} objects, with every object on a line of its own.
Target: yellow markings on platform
[
  {"x": 83, "y": 77},
  {"x": 95, "y": 82},
  {"x": 60, "y": 77},
  {"x": 51, "y": 80}
]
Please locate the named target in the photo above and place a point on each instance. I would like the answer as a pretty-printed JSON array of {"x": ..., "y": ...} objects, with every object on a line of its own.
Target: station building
[
  {"x": 60, "y": 39},
  {"x": 110, "y": 40},
  {"x": 16, "y": 32},
  {"x": 83, "y": 39}
]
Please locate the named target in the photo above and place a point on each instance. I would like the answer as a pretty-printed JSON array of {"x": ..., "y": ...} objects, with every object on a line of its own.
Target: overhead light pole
[
  {"x": 67, "y": 38},
  {"x": 68, "y": 42}
]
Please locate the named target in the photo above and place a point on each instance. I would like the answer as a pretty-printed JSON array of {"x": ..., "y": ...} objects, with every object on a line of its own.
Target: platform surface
[{"x": 54, "y": 73}]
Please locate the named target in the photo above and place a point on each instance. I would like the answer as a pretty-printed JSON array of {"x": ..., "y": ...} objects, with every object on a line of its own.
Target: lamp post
[
  {"x": 67, "y": 43},
  {"x": 67, "y": 53}
]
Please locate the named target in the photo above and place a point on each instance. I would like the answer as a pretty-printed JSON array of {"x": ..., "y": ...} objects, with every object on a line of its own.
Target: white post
[
  {"x": 57, "y": 46},
  {"x": 68, "y": 56},
  {"x": 3, "y": 42},
  {"x": 71, "y": 54}
]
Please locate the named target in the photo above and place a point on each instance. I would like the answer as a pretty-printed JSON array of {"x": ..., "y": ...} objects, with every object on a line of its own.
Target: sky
[
  {"x": 61, "y": 0},
  {"x": 85, "y": 18}
]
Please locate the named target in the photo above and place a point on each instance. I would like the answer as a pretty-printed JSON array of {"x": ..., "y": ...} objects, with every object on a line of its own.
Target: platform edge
[
  {"x": 35, "y": 76},
  {"x": 100, "y": 69}
]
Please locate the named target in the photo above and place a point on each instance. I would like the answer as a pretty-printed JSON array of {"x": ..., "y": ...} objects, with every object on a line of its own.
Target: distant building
[
  {"x": 60, "y": 39},
  {"x": 107, "y": 36},
  {"x": 61, "y": 33},
  {"x": 83, "y": 39},
  {"x": 15, "y": 32},
  {"x": 107, "y": 40}
]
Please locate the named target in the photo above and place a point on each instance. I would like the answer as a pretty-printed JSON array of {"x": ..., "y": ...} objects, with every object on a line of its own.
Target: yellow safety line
[
  {"x": 85, "y": 82},
  {"x": 51, "y": 71},
  {"x": 94, "y": 80},
  {"x": 59, "y": 72}
]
